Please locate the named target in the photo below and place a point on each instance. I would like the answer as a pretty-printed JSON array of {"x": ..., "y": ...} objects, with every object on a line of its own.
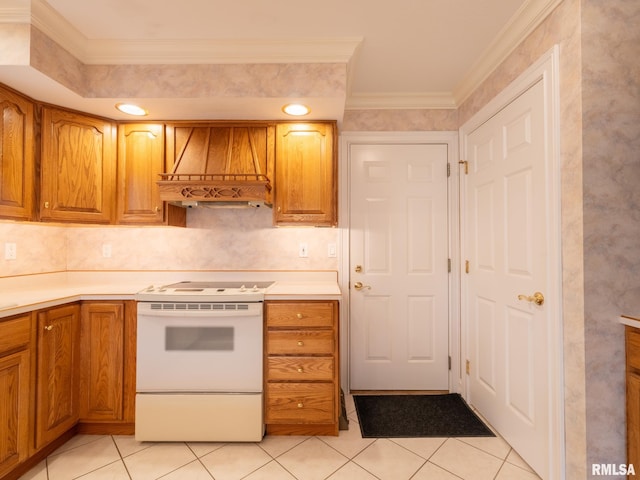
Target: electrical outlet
[
  {"x": 303, "y": 250},
  {"x": 10, "y": 251},
  {"x": 106, "y": 250}
]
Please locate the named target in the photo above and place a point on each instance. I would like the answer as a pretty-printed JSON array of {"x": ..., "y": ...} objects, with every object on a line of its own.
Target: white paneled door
[
  {"x": 507, "y": 245},
  {"x": 398, "y": 267}
]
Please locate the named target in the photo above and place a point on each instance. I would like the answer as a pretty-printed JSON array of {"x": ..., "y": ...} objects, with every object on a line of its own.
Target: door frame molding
[
  {"x": 449, "y": 138},
  {"x": 546, "y": 70}
]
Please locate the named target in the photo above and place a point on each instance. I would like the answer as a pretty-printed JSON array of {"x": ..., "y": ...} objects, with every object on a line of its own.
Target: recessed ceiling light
[
  {"x": 131, "y": 109},
  {"x": 296, "y": 109}
]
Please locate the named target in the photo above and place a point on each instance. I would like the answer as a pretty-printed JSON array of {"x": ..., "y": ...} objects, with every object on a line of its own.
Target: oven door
[{"x": 195, "y": 350}]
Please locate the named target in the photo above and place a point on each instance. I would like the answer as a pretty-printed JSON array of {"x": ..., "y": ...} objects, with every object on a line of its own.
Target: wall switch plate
[
  {"x": 106, "y": 250},
  {"x": 10, "y": 251},
  {"x": 303, "y": 250},
  {"x": 331, "y": 250}
]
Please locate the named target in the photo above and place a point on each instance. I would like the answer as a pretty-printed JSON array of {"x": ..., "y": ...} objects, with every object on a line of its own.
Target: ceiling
[{"x": 388, "y": 54}]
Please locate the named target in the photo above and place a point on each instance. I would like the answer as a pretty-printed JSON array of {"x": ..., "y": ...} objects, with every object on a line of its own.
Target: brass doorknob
[
  {"x": 536, "y": 298},
  {"x": 360, "y": 286}
]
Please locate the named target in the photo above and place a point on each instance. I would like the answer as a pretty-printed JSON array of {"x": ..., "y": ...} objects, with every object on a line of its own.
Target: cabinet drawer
[
  {"x": 633, "y": 348},
  {"x": 300, "y": 342},
  {"x": 299, "y": 314},
  {"x": 15, "y": 333},
  {"x": 300, "y": 368},
  {"x": 300, "y": 403}
]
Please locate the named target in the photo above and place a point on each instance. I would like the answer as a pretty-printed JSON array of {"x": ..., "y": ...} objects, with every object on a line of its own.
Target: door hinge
[
  {"x": 468, "y": 367},
  {"x": 448, "y": 169},
  {"x": 466, "y": 166},
  {"x": 449, "y": 362},
  {"x": 449, "y": 265},
  {"x": 466, "y": 266}
]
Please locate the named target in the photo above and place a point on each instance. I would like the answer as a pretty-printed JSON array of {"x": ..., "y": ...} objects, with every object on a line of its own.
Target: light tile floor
[{"x": 348, "y": 457}]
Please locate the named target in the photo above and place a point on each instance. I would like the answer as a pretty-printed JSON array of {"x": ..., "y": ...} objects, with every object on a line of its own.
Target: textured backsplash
[{"x": 216, "y": 239}]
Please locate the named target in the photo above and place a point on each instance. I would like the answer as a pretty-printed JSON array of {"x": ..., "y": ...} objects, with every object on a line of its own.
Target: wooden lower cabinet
[
  {"x": 107, "y": 372},
  {"x": 302, "y": 388},
  {"x": 632, "y": 340},
  {"x": 15, "y": 376},
  {"x": 58, "y": 332},
  {"x": 64, "y": 370}
]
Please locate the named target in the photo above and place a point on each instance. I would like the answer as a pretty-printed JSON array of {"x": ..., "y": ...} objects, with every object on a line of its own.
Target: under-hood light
[
  {"x": 131, "y": 109},
  {"x": 296, "y": 109}
]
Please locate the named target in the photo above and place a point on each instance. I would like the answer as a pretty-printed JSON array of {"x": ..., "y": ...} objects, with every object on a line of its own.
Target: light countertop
[
  {"x": 630, "y": 321},
  {"x": 32, "y": 292}
]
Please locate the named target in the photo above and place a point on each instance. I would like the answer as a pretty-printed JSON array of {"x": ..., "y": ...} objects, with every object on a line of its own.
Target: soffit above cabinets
[{"x": 211, "y": 59}]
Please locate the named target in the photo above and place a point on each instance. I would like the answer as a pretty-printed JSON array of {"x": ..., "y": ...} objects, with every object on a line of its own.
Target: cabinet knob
[
  {"x": 157, "y": 209},
  {"x": 46, "y": 204},
  {"x": 48, "y": 328},
  {"x": 300, "y": 405},
  {"x": 299, "y": 315},
  {"x": 300, "y": 370},
  {"x": 300, "y": 343}
]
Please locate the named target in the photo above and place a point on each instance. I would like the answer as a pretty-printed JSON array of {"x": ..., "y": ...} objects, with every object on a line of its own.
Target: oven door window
[{"x": 199, "y": 339}]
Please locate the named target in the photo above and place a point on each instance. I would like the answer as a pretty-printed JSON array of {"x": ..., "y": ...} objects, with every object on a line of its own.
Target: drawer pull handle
[
  {"x": 48, "y": 328},
  {"x": 300, "y": 343},
  {"x": 300, "y": 370},
  {"x": 299, "y": 315},
  {"x": 300, "y": 405}
]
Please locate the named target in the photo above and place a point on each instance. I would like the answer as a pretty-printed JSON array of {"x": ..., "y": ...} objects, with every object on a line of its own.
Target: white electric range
[{"x": 199, "y": 362}]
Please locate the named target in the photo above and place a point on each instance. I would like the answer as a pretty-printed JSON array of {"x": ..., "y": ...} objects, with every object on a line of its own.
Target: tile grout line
[{"x": 124, "y": 464}]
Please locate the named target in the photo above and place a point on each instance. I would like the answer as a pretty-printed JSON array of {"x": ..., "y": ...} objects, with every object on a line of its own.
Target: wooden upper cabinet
[
  {"x": 140, "y": 161},
  {"x": 78, "y": 173},
  {"x": 306, "y": 174},
  {"x": 16, "y": 156}
]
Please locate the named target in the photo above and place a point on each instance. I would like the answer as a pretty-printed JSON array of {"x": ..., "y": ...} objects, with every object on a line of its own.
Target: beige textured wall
[
  {"x": 611, "y": 169},
  {"x": 400, "y": 120}
]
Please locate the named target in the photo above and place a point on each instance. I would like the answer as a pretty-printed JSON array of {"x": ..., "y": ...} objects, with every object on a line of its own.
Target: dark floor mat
[{"x": 418, "y": 416}]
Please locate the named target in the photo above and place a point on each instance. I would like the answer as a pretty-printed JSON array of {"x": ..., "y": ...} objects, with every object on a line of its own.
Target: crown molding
[
  {"x": 248, "y": 51},
  {"x": 14, "y": 15},
  {"x": 401, "y": 101},
  {"x": 530, "y": 15},
  {"x": 58, "y": 29},
  {"x": 177, "y": 51}
]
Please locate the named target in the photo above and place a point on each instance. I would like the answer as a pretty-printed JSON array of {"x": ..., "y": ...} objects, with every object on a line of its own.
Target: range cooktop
[{"x": 205, "y": 292}]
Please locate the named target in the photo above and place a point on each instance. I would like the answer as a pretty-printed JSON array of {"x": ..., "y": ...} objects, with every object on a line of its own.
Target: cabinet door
[
  {"x": 57, "y": 372},
  {"x": 306, "y": 174},
  {"x": 14, "y": 409},
  {"x": 102, "y": 368},
  {"x": 633, "y": 418},
  {"x": 16, "y": 156},
  {"x": 140, "y": 159},
  {"x": 78, "y": 167}
]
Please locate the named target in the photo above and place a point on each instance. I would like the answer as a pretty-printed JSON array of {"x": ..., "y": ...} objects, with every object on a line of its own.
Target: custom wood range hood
[{"x": 219, "y": 164}]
